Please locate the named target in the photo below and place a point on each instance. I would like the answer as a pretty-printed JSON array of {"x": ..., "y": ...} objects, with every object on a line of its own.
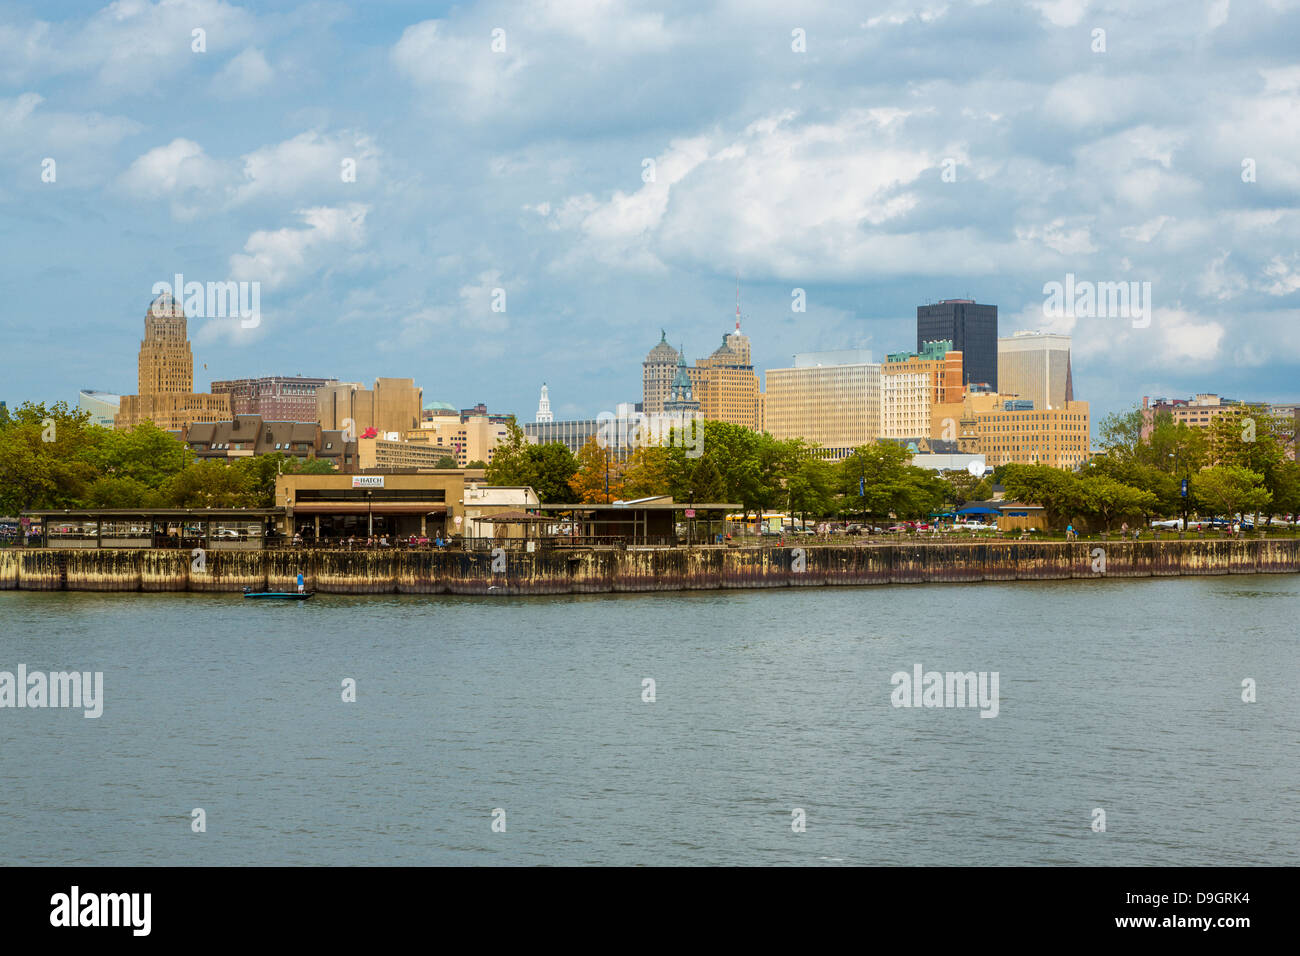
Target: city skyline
[{"x": 860, "y": 171}]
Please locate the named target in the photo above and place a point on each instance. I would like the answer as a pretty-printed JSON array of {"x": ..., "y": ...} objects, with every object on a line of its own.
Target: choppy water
[{"x": 1123, "y": 695}]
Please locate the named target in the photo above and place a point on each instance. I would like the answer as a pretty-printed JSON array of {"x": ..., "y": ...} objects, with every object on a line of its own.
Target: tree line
[{"x": 53, "y": 457}]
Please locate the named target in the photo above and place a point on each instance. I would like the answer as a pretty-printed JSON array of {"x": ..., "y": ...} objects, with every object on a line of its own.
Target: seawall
[{"x": 667, "y": 569}]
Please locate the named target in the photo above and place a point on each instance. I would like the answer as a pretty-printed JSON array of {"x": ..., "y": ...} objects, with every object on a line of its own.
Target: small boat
[{"x": 281, "y": 595}]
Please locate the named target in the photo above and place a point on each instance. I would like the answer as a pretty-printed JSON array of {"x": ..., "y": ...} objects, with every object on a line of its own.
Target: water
[{"x": 1118, "y": 694}]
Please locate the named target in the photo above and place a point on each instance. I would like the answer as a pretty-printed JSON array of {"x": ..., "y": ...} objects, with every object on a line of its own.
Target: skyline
[{"x": 824, "y": 170}]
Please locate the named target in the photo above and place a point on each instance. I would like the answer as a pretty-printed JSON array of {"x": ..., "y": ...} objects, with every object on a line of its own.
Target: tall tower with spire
[
  {"x": 544, "y": 407},
  {"x": 657, "y": 372},
  {"x": 681, "y": 395}
]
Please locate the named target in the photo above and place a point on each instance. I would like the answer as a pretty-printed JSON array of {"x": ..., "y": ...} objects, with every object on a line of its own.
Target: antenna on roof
[{"x": 737, "y": 300}]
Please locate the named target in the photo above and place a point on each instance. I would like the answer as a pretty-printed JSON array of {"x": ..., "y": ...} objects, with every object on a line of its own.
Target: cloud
[
  {"x": 285, "y": 256},
  {"x": 308, "y": 165},
  {"x": 246, "y": 74}
]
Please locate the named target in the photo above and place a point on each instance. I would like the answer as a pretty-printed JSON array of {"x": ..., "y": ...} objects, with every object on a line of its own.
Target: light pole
[{"x": 370, "y": 516}]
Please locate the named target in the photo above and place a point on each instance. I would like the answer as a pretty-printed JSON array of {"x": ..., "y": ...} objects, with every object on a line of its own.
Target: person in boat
[{"x": 302, "y": 585}]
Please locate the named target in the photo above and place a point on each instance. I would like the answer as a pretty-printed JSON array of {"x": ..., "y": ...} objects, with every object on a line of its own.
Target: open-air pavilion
[{"x": 232, "y": 529}]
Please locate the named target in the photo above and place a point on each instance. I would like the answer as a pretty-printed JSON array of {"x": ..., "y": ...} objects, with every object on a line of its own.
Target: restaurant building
[{"x": 327, "y": 509}]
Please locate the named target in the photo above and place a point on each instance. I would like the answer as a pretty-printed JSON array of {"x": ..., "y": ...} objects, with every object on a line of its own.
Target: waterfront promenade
[{"x": 503, "y": 572}]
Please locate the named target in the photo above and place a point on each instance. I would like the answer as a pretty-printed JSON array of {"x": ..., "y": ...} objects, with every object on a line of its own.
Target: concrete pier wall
[{"x": 666, "y": 569}]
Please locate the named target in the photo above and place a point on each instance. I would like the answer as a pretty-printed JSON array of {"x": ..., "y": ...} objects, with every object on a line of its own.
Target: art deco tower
[
  {"x": 166, "y": 362},
  {"x": 165, "y": 376}
]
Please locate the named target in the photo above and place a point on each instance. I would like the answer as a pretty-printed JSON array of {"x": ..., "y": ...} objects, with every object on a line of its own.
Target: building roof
[
  {"x": 663, "y": 353},
  {"x": 644, "y": 506}
]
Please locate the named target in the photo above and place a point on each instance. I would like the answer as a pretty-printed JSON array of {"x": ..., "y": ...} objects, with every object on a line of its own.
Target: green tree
[
  {"x": 811, "y": 489},
  {"x": 46, "y": 457},
  {"x": 211, "y": 484},
  {"x": 1059, "y": 492},
  {"x": 1109, "y": 500},
  {"x": 547, "y": 468},
  {"x": 144, "y": 453},
  {"x": 1229, "y": 490}
]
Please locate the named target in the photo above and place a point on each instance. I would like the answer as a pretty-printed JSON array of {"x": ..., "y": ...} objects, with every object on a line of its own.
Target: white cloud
[
  {"x": 246, "y": 74},
  {"x": 1061, "y": 13},
  {"x": 307, "y": 165},
  {"x": 181, "y": 172},
  {"x": 284, "y": 256}
]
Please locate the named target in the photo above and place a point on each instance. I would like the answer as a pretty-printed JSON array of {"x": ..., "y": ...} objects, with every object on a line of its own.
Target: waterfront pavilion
[
  {"x": 645, "y": 522},
  {"x": 221, "y": 529}
]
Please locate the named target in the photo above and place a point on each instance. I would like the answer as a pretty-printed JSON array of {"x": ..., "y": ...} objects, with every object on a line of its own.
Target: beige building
[
  {"x": 657, "y": 372},
  {"x": 724, "y": 383},
  {"x": 327, "y": 508},
  {"x": 393, "y": 405},
  {"x": 1036, "y": 366},
  {"x": 165, "y": 376},
  {"x": 386, "y": 454},
  {"x": 991, "y": 424},
  {"x": 912, "y": 384},
  {"x": 831, "y": 399},
  {"x": 466, "y": 438}
]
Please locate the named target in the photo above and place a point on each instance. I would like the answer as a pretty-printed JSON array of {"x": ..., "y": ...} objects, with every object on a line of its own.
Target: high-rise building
[
  {"x": 973, "y": 331},
  {"x": 657, "y": 374},
  {"x": 165, "y": 376},
  {"x": 1001, "y": 429},
  {"x": 278, "y": 398},
  {"x": 393, "y": 405},
  {"x": 1036, "y": 366},
  {"x": 544, "y": 407},
  {"x": 831, "y": 399},
  {"x": 725, "y": 383},
  {"x": 912, "y": 384},
  {"x": 103, "y": 406}
]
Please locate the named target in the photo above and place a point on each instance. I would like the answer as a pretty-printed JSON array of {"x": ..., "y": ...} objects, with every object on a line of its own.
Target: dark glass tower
[{"x": 973, "y": 331}]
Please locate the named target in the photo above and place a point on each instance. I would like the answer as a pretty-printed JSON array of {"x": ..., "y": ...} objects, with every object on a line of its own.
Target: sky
[{"x": 540, "y": 188}]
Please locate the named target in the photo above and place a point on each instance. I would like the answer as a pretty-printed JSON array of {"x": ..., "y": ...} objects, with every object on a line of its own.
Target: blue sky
[{"x": 523, "y": 169}]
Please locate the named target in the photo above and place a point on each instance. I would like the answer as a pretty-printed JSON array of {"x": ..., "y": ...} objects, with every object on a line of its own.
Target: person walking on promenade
[{"x": 1069, "y": 532}]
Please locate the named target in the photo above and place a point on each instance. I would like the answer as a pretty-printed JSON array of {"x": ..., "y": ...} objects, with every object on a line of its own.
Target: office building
[
  {"x": 913, "y": 383},
  {"x": 393, "y": 405},
  {"x": 277, "y": 398},
  {"x": 103, "y": 406},
  {"x": 973, "y": 331},
  {"x": 1036, "y": 366},
  {"x": 831, "y": 399}
]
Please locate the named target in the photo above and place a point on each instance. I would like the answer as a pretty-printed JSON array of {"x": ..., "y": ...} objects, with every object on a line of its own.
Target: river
[{"x": 1118, "y": 695}]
